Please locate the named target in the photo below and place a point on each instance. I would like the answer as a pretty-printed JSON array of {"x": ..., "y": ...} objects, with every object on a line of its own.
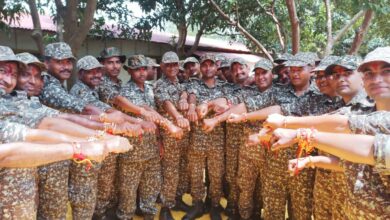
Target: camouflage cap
[
  {"x": 88, "y": 63},
  {"x": 6, "y": 54},
  {"x": 379, "y": 54},
  {"x": 190, "y": 60},
  {"x": 207, "y": 56},
  {"x": 220, "y": 57},
  {"x": 135, "y": 62},
  {"x": 225, "y": 64},
  {"x": 350, "y": 62},
  {"x": 302, "y": 59},
  {"x": 28, "y": 58},
  {"x": 170, "y": 57},
  {"x": 59, "y": 51},
  {"x": 152, "y": 62},
  {"x": 281, "y": 58},
  {"x": 111, "y": 52},
  {"x": 264, "y": 64},
  {"x": 238, "y": 60},
  {"x": 327, "y": 61},
  {"x": 181, "y": 65}
]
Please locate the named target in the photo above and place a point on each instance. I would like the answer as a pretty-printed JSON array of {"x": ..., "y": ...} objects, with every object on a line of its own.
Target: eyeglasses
[{"x": 369, "y": 75}]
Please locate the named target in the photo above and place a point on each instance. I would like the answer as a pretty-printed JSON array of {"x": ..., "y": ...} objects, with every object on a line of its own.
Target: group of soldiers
[{"x": 304, "y": 133}]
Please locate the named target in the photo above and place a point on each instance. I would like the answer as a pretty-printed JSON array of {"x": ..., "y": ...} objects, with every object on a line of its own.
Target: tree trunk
[
  {"x": 361, "y": 33},
  {"x": 37, "y": 32},
  {"x": 329, "y": 34},
  {"x": 241, "y": 29},
  {"x": 295, "y": 38},
  {"x": 181, "y": 41}
]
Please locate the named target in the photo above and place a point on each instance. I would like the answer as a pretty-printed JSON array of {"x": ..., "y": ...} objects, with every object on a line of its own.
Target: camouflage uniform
[
  {"x": 165, "y": 90},
  {"x": 140, "y": 168},
  {"x": 322, "y": 194},
  {"x": 251, "y": 159},
  {"x": 53, "y": 178},
  {"x": 206, "y": 147},
  {"x": 18, "y": 185},
  {"x": 107, "y": 177},
  {"x": 278, "y": 183}
]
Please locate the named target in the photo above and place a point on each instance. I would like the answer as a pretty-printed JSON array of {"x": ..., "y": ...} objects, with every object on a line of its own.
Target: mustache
[{"x": 66, "y": 71}]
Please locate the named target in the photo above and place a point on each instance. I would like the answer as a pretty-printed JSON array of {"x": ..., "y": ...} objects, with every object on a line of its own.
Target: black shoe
[
  {"x": 165, "y": 214},
  {"x": 215, "y": 213},
  {"x": 231, "y": 209},
  {"x": 148, "y": 217},
  {"x": 181, "y": 205},
  {"x": 196, "y": 211},
  {"x": 234, "y": 217},
  {"x": 207, "y": 204}
]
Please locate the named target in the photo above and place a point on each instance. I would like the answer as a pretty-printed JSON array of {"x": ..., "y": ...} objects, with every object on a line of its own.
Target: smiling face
[
  {"x": 91, "y": 78},
  {"x": 8, "y": 75},
  {"x": 170, "y": 69},
  {"x": 239, "y": 72},
  {"x": 263, "y": 79},
  {"x": 112, "y": 66},
  {"x": 61, "y": 69},
  {"x": 323, "y": 83},
  {"x": 30, "y": 81},
  {"x": 208, "y": 69},
  {"x": 376, "y": 77},
  {"x": 138, "y": 75}
]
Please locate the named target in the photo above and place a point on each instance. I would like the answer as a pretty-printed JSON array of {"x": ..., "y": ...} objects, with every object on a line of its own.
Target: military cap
[
  {"x": 350, "y": 62},
  {"x": 225, "y": 64},
  {"x": 152, "y": 62},
  {"x": 238, "y": 60},
  {"x": 207, "y": 56},
  {"x": 28, "y": 58},
  {"x": 264, "y": 64},
  {"x": 111, "y": 52},
  {"x": 59, "y": 51},
  {"x": 190, "y": 60},
  {"x": 181, "y": 65},
  {"x": 379, "y": 54},
  {"x": 6, "y": 54},
  {"x": 281, "y": 58},
  {"x": 325, "y": 62},
  {"x": 135, "y": 62},
  {"x": 220, "y": 57},
  {"x": 302, "y": 59},
  {"x": 88, "y": 63},
  {"x": 170, "y": 57}
]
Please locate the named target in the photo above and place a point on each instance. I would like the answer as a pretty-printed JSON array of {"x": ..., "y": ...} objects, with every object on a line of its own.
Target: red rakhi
[{"x": 80, "y": 159}]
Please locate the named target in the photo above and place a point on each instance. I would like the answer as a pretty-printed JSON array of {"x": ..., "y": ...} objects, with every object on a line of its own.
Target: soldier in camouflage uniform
[
  {"x": 206, "y": 147},
  {"x": 139, "y": 169},
  {"x": 225, "y": 70},
  {"x": 53, "y": 178},
  {"x": 168, "y": 92},
  {"x": 281, "y": 71},
  {"x": 82, "y": 183},
  {"x": 191, "y": 69},
  {"x": 252, "y": 159},
  {"x": 322, "y": 195},
  {"x": 152, "y": 69}
]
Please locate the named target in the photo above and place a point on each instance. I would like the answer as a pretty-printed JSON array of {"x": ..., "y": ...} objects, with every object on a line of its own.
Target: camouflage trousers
[
  {"x": 83, "y": 190},
  {"x": 18, "y": 193},
  {"x": 141, "y": 176},
  {"x": 106, "y": 183},
  {"x": 279, "y": 185},
  {"x": 53, "y": 190},
  {"x": 250, "y": 182},
  {"x": 174, "y": 170},
  {"x": 322, "y": 195},
  {"x": 233, "y": 143},
  {"x": 339, "y": 195},
  {"x": 206, "y": 148}
]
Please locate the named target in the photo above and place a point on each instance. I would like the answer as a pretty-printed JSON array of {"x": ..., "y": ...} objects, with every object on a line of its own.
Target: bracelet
[
  {"x": 79, "y": 157},
  {"x": 305, "y": 139},
  {"x": 76, "y": 148},
  {"x": 103, "y": 117}
]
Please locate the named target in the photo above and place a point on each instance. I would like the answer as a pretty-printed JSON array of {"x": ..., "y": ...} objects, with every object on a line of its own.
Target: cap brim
[
  {"x": 279, "y": 61},
  {"x": 328, "y": 70},
  {"x": 296, "y": 63},
  {"x": 132, "y": 68},
  {"x": 371, "y": 61},
  {"x": 40, "y": 65},
  {"x": 20, "y": 63},
  {"x": 122, "y": 58},
  {"x": 262, "y": 67},
  {"x": 206, "y": 60},
  {"x": 171, "y": 62},
  {"x": 277, "y": 68}
]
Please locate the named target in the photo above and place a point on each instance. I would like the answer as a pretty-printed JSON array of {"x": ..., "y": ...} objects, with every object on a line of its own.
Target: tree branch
[
  {"x": 361, "y": 33},
  {"x": 296, "y": 36},
  {"x": 37, "y": 32},
  {"x": 343, "y": 30},
  {"x": 241, "y": 29},
  {"x": 329, "y": 34}
]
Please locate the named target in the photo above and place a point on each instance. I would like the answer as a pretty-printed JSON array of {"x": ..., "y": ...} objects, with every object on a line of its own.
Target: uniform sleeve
[
  {"x": 382, "y": 154},
  {"x": 107, "y": 94},
  {"x": 87, "y": 97},
  {"x": 161, "y": 93},
  {"x": 56, "y": 97},
  {"x": 377, "y": 122},
  {"x": 258, "y": 102},
  {"x": 12, "y": 132}
]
